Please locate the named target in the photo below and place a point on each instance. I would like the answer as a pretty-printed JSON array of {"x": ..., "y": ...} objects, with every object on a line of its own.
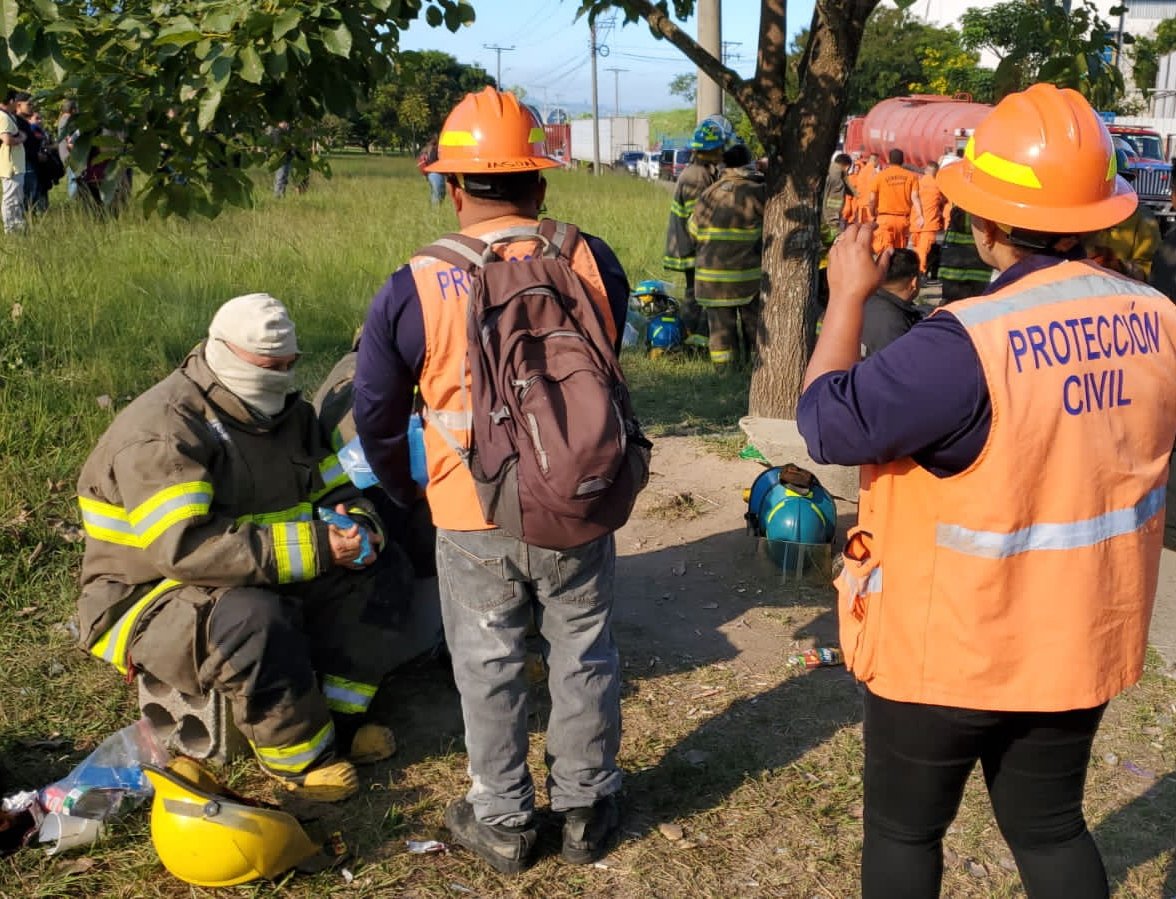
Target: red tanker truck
[{"x": 927, "y": 128}]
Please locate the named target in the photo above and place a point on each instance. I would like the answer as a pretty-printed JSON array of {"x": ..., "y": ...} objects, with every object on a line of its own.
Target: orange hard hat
[
  {"x": 491, "y": 133},
  {"x": 1042, "y": 160}
]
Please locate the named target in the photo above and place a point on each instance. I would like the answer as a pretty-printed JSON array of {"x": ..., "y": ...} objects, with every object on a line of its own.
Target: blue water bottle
[{"x": 417, "y": 466}]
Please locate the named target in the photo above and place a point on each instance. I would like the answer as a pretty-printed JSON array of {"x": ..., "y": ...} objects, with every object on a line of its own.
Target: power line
[{"x": 499, "y": 50}]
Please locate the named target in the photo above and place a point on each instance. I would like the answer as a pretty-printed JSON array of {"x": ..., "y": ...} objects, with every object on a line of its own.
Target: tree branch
[
  {"x": 771, "y": 64},
  {"x": 661, "y": 23}
]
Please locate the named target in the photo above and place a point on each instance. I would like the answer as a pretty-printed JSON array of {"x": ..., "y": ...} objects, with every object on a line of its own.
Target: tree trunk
[
  {"x": 789, "y": 270},
  {"x": 801, "y": 145}
]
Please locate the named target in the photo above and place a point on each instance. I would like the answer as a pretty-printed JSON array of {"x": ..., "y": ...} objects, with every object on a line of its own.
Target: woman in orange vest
[{"x": 1014, "y": 449}]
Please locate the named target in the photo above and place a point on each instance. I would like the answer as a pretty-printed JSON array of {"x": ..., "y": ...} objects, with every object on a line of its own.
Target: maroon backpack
[{"x": 556, "y": 453}]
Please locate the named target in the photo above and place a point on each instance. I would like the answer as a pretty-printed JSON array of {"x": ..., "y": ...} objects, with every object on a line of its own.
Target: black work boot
[
  {"x": 588, "y": 833},
  {"x": 507, "y": 849}
]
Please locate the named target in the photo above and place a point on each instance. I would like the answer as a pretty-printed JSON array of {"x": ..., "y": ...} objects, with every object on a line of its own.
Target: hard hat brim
[
  {"x": 492, "y": 166},
  {"x": 958, "y": 185}
]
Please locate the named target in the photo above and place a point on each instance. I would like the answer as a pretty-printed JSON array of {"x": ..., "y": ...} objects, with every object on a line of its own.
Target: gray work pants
[{"x": 492, "y": 586}]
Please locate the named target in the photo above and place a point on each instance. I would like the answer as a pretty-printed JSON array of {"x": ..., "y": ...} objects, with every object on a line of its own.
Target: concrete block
[
  {"x": 780, "y": 442},
  {"x": 197, "y": 726}
]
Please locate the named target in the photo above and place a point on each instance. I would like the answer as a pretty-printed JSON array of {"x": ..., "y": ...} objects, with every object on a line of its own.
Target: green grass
[{"x": 102, "y": 310}]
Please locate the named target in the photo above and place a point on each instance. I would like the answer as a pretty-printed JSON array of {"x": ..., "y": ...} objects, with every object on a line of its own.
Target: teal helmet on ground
[
  {"x": 651, "y": 287},
  {"x": 652, "y": 298},
  {"x": 665, "y": 332},
  {"x": 792, "y": 520},
  {"x": 765, "y": 481}
]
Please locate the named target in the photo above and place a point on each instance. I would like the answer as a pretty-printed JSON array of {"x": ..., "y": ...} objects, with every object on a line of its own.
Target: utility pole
[
  {"x": 616, "y": 88},
  {"x": 710, "y": 38},
  {"x": 499, "y": 51},
  {"x": 728, "y": 56},
  {"x": 595, "y": 108}
]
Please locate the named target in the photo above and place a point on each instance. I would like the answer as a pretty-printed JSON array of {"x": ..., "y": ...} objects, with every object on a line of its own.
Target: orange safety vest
[
  {"x": 445, "y": 378},
  {"x": 1026, "y": 582}
]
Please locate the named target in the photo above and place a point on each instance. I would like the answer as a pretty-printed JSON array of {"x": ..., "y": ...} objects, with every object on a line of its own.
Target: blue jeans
[
  {"x": 492, "y": 587},
  {"x": 436, "y": 186}
]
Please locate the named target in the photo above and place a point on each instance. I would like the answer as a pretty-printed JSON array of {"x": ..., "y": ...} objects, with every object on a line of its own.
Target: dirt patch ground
[{"x": 743, "y": 774}]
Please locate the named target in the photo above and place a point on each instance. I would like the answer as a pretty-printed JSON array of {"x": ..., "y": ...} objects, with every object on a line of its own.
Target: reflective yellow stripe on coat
[
  {"x": 143, "y": 525},
  {"x": 297, "y": 757},
  {"x": 112, "y": 646},
  {"x": 347, "y": 696}
]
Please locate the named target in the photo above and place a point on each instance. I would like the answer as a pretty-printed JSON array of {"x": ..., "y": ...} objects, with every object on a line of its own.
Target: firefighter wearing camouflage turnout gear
[
  {"x": 681, "y": 247},
  {"x": 205, "y": 566},
  {"x": 728, "y": 224}
]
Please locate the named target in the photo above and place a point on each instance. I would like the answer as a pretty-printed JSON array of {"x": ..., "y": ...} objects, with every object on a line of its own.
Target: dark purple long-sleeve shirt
[
  {"x": 392, "y": 353},
  {"x": 923, "y": 396}
]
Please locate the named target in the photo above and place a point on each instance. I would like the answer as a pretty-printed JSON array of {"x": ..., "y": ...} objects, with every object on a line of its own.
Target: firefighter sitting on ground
[
  {"x": 728, "y": 224},
  {"x": 707, "y": 145},
  {"x": 206, "y": 566}
]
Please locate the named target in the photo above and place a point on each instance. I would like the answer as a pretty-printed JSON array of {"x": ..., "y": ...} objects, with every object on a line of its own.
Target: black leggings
[{"x": 918, "y": 759}]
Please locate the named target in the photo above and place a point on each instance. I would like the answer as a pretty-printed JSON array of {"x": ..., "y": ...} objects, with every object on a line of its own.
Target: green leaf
[
  {"x": 220, "y": 21},
  {"x": 338, "y": 40},
  {"x": 9, "y": 17},
  {"x": 47, "y": 9},
  {"x": 276, "y": 63},
  {"x": 435, "y": 17},
  {"x": 222, "y": 68},
  {"x": 180, "y": 33},
  {"x": 285, "y": 23},
  {"x": 251, "y": 67},
  {"x": 208, "y": 107}
]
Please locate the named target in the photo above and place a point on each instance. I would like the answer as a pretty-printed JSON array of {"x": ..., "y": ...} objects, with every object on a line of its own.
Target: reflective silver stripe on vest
[
  {"x": 455, "y": 421},
  {"x": 1037, "y": 537},
  {"x": 1082, "y": 287}
]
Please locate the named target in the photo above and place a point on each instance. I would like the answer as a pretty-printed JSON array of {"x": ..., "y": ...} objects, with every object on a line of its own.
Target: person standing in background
[{"x": 932, "y": 201}]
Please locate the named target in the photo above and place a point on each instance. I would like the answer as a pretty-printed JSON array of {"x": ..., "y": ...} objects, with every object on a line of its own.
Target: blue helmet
[
  {"x": 664, "y": 332},
  {"x": 650, "y": 287},
  {"x": 708, "y": 136},
  {"x": 790, "y": 518}
]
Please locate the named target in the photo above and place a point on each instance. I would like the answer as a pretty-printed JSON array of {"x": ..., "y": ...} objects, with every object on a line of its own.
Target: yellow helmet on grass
[{"x": 209, "y": 838}]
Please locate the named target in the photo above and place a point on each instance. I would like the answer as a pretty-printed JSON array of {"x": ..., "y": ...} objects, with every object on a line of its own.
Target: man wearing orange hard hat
[
  {"x": 1014, "y": 447},
  {"x": 494, "y": 584}
]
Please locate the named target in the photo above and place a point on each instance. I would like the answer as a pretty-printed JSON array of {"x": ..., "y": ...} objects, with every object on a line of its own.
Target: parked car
[
  {"x": 628, "y": 160},
  {"x": 648, "y": 164},
  {"x": 672, "y": 162}
]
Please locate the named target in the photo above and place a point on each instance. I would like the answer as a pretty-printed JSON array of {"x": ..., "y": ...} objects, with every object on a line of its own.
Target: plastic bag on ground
[{"x": 110, "y": 779}]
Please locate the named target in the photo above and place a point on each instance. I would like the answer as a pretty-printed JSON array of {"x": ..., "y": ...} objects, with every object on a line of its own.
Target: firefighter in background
[
  {"x": 1130, "y": 246},
  {"x": 707, "y": 144},
  {"x": 962, "y": 273},
  {"x": 206, "y": 567},
  {"x": 894, "y": 204},
  {"x": 728, "y": 222},
  {"x": 932, "y": 201},
  {"x": 838, "y": 197}
]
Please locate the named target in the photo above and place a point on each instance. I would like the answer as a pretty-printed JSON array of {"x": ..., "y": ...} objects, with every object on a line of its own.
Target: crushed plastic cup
[{"x": 67, "y": 832}]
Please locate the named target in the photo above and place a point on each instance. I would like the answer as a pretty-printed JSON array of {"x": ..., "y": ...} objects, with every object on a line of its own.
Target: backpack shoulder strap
[
  {"x": 467, "y": 252},
  {"x": 561, "y": 237}
]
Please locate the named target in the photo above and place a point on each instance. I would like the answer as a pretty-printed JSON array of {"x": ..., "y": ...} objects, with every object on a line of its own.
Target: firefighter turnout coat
[
  {"x": 680, "y": 244},
  {"x": 187, "y": 487},
  {"x": 728, "y": 222}
]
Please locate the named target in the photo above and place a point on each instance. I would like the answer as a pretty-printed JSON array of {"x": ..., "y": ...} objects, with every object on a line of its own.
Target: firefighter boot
[
  {"x": 330, "y": 781},
  {"x": 372, "y": 743}
]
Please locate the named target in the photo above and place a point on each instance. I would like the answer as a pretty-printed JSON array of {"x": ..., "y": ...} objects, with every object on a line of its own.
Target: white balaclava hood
[{"x": 259, "y": 324}]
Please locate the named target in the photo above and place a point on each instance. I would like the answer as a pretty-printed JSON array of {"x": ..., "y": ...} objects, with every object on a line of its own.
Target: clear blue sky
[
  {"x": 551, "y": 51},
  {"x": 550, "y": 59}
]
